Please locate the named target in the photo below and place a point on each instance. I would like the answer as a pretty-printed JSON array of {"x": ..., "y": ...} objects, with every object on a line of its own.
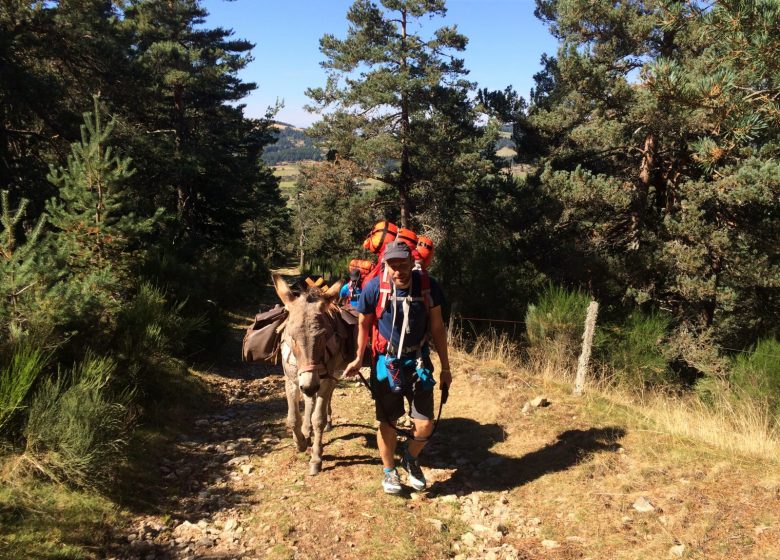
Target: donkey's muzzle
[{"x": 310, "y": 390}]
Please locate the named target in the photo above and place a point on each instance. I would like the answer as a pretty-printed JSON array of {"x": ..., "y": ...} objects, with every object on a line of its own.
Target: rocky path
[
  {"x": 238, "y": 488},
  {"x": 578, "y": 478}
]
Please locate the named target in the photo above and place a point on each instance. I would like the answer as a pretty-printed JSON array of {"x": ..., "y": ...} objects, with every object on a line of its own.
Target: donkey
[{"x": 316, "y": 345}]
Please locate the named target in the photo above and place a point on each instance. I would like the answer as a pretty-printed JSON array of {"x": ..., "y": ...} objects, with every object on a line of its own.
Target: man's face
[{"x": 401, "y": 271}]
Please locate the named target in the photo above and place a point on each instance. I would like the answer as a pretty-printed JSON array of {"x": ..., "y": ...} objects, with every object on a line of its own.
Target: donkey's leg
[
  {"x": 308, "y": 409},
  {"x": 329, "y": 419},
  {"x": 319, "y": 418},
  {"x": 293, "y": 410}
]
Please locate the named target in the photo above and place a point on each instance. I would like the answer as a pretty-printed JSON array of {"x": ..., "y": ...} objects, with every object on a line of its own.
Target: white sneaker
[
  {"x": 415, "y": 478},
  {"x": 391, "y": 483}
]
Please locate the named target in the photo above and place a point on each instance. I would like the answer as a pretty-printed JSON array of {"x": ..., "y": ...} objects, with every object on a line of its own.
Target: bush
[
  {"x": 76, "y": 428},
  {"x": 635, "y": 350},
  {"x": 757, "y": 373},
  {"x": 17, "y": 378},
  {"x": 554, "y": 325}
]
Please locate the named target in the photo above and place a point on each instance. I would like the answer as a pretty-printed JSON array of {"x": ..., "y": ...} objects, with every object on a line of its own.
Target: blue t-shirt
[
  {"x": 344, "y": 292},
  {"x": 418, "y": 318}
]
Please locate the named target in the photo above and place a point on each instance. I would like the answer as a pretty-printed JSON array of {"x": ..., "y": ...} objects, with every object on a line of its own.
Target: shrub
[
  {"x": 555, "y": 324},
  {"x": 151, "y": 333},
  {"x": 635, "y": 350},
  {"x": 76, "y": 428},
  {"x": 757, "y": 373},
  {"x": 17, "y": 378}
]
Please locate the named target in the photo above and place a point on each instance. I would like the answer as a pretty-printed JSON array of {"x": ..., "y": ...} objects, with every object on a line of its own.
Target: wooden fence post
[
  {"x": 587, "y": 344},
  {"x": 451, "y": 325}
]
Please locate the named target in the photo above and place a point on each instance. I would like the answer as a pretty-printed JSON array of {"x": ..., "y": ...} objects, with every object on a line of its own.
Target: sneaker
[
  {"x": 415, "y": 478},
  {"x": 391, "y": 482}
]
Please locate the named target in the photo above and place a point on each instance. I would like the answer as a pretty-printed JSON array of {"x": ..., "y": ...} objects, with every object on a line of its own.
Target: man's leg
[
  {"x": 422, "y": 430},
  {"x": 386, "y": 440},
  {"x": 389, "y": 407}
]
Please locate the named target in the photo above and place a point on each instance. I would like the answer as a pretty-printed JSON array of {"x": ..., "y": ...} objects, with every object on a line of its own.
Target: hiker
[
  {"x": 350, "y": 292},
  {"x": 402, "y": 309}
]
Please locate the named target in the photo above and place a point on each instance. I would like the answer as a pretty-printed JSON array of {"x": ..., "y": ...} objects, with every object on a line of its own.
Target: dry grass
[
  {"x": 710, "y": 473},
  {"x": 741, "y": 428}
]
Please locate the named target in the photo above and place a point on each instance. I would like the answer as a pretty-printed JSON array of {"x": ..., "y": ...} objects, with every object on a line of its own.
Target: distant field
[{"x": 288, "y": 175}]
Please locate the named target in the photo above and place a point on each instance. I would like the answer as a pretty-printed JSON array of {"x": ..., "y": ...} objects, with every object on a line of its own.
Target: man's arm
[
  {"x": 365, "y": 322},
  {"x": 439, "y": 335}
]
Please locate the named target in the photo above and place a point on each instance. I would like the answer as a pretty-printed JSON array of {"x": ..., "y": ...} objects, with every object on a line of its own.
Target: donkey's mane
[{"x": 314, "y": 295}]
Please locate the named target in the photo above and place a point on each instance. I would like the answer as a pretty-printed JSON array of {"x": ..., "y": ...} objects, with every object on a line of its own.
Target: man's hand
[
  {"x": 446, "y": 377},
  {"x": 353, "y": 367}
]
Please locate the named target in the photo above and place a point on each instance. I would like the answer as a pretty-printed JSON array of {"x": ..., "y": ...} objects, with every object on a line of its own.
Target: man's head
[{"x": 398, "y": 259}]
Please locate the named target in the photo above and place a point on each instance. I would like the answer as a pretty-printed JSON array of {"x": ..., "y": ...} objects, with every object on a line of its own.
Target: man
[
  {"x": 350, "y": 292},
  {"x": 408, "y": 304}
]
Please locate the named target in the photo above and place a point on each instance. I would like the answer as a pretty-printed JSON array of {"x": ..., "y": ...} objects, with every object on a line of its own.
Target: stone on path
[
  {"x": 643, "y": 505},
  {"x": 677, "y": 550}
]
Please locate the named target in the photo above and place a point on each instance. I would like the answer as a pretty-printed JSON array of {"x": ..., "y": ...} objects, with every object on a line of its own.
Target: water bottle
[{"x": 394, "y": 374}]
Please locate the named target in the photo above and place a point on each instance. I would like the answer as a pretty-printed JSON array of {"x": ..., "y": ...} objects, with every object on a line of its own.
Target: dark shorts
[{"x": 390, "y": 406}]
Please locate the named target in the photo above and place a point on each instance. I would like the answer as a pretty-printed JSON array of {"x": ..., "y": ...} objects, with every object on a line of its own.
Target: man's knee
[{"x": 423, "y": 427}]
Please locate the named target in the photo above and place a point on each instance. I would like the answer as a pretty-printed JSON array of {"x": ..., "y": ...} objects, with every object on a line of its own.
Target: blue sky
[{"x": 505, "y": 44}]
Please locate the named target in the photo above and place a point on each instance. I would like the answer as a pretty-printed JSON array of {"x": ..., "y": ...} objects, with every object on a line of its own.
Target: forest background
[{"x": 136, "y": 206}]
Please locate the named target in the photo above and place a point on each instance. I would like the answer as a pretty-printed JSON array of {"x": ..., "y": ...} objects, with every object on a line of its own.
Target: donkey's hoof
[
  {"x": 314, "y": 469},
  {"x": 328, "y": 426}
]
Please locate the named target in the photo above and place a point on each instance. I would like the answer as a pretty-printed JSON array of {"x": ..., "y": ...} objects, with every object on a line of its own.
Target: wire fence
[{"x": 461, "y": 318}]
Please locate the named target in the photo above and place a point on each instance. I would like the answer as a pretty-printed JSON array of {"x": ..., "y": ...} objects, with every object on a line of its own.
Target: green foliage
[
  {"x": 635, "y": 350},
  {"x": 658, "y": 153},
  {"x": 17, "y": 378},
  {"x": 555, "y": 324},
  {"x": 76, "y": 428},
  {"x": 20, "y": 279},
  {"x": 757, "y": 373},
  {"x": 333, "y": 213},
  {"x": 96, "y": 237},
  {"x": 151, "y": 332},
  {"x": 397, "y": 103}
]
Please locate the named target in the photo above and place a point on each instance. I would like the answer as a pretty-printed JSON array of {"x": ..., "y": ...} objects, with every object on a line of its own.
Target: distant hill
[{"x": 293, "y": 145}]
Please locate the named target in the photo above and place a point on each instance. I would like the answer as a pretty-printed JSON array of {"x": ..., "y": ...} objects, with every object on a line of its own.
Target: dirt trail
[{"x": 562, "y": 481}]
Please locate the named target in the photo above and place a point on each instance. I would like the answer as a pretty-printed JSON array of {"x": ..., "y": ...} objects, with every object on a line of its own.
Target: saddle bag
[{"x": 263, "y": 339}]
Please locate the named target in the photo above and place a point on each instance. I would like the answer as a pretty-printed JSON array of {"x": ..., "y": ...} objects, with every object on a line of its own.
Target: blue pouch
[
  {"x": 425, "y": 375},
  {"x": 392, "y": 370}
]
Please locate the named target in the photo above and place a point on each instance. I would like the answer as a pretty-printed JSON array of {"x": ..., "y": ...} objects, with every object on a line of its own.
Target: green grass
[{"x": 45, "y": 521}]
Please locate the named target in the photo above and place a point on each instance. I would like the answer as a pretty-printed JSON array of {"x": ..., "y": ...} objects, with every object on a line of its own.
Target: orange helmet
[
  {"x": 425, "y": 249},
  {"x": 382, "y": 234},
  {"x": 407, "y": 236}
]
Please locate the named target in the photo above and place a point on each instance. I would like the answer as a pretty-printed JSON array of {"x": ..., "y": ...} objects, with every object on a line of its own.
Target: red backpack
[{"x": 378, "y": 342}]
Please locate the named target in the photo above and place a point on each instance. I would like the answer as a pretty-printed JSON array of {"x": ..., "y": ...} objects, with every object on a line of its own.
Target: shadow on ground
[{"x": 465, "y": 444}]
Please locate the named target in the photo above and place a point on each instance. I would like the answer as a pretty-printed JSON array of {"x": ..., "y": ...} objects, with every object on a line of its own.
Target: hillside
[{"x": 292, "y": 145}]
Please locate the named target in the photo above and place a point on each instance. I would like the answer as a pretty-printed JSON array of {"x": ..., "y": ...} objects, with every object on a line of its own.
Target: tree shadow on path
[{"x": 465, "y": 444}]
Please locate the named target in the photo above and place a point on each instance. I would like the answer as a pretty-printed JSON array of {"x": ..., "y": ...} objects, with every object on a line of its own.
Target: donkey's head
[{"x": 309, "y": 325}]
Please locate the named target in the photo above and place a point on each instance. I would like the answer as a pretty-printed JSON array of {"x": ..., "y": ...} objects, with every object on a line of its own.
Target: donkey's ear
[
  {"x": 282, "y": 289},
  {"x": 332, "y": 293}
]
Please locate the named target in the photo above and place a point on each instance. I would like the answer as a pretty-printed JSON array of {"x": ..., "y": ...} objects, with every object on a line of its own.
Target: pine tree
[
  {"x": 202, "y": 157},
  {"x": 96, "y": 234},
  {"x": 20, "y": 278},
  {"x": 660, "y": 147},
  {"x": 406, "y": 116}
]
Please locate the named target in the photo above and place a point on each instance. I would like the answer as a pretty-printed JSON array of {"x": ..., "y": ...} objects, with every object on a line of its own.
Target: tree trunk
[
  {"x": 639, "y": 204},
  {"x": 405, "y": 179}
]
